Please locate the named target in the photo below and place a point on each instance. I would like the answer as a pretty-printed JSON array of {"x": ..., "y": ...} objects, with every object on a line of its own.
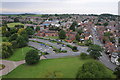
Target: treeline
[{"x": 17, "y": 38}]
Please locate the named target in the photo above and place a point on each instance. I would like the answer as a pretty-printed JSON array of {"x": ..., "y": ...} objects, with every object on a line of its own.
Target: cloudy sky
[{"x": 60, "y": 6}]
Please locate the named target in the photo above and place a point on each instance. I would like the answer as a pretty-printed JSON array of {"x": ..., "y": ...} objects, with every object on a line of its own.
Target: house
[
  {"x": 110, "y": 47},
  {"x": 114, "y": 58},
  {"x": 46, "y": 33},
  {"x": 71, "y": 36}
]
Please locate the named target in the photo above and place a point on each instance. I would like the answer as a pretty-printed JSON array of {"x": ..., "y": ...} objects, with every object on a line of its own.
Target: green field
[
  {"x": 13, "y": 24},
  {"x": 19, "y": 54},
  {"x": 62, "y": 67}
]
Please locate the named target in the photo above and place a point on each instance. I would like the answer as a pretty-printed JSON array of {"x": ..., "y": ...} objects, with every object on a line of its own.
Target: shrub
[
  {"x": 83, "y": 55},
  {"x": 74, "y": 48},
  {"x": 32, "y": 57},
  {"x": 69, "y": 46}
]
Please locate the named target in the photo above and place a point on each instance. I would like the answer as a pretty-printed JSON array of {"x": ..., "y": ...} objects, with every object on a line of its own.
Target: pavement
[{"x": 11, "y": 65}]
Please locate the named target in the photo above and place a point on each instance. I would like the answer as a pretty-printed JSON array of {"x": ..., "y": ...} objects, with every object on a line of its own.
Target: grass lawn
[
  {"x": 52, "y": 37},
  {"x": 13, "y": 24},
  {"x": 19, "y": 54},
  {"x": 62, "y": 67}
]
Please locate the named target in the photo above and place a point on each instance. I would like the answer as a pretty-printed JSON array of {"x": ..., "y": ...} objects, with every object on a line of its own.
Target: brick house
[
  {"x": 71, "y": 36},
  {"x": 46, "y": 33},
  {"x": 110, "y": 47}
]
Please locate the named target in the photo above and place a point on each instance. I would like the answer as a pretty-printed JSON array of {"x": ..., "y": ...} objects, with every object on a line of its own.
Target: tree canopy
[
  {"x": 62, "y": 34},
  {"x": 95, "y": 51},
  {"x": 32, "y": 57},
  {"x": 7, "y": 50},
  {"x": 74, "y": 24},
  {"x": 37, "y": 28},
  {"x": 92, "y": 70},
  {"x": 77, "y": 37}
]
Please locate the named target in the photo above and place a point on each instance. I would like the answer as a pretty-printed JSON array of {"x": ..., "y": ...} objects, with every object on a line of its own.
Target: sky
[{"x": 59, "y": 6}]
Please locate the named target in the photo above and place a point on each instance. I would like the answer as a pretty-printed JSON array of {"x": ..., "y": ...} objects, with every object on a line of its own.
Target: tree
[
  {"x": 95, "y": 51},
  {"x": 119, "y": 59},
  {"x": 13, "y": 37},
  {"x": 83, "y": 55},
  {"x": 105, "y": 24},
  {"x": 72, "y": 27},
  {"x": 77, "y": 37},
  {"x": 7, "y": 50},
  {"x": 88, "y": 42},
  {"x": 112, "y": 39},
  {"x": 19, "y": 26},
  {"x": 92, "y": 70},
  {"x": 13, "y": 30},
  {"x": 21, "y": 42},
  {"x": 119, "y": 40},
  {"x": 37, "y": 28},
  {"x": 74, "y": 48},
  {"x": 5, "y": 31},
  {"x": 80, "y": 31},
  {"x": 32, "y": 57},
  {"x": 108, "y": 34},
  {"x": 117, "y": 71},
  {"x": 62, "y": 34},
  {"x": 29, "y": 31},
  {"x": 16, "y": 19},
  {"x": 21, "y": 31},
  {"x": 14, "y": 44}
]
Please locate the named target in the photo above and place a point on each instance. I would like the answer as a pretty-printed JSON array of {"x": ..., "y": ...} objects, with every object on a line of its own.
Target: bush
[
  {"x": 74, "y": 48},
  {"x": 59, "y": 50},
  {"x": 32, "y": 57},
  {"x": 69, "y": 46},
  {"x": 83, "y": 55}
]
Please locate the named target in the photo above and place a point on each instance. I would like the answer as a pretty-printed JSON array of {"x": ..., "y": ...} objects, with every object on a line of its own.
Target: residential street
[{"x": 104, "y": 58}]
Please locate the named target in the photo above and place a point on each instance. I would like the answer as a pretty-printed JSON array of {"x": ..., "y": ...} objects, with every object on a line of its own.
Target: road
[{"x": 104, "y": 58}]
